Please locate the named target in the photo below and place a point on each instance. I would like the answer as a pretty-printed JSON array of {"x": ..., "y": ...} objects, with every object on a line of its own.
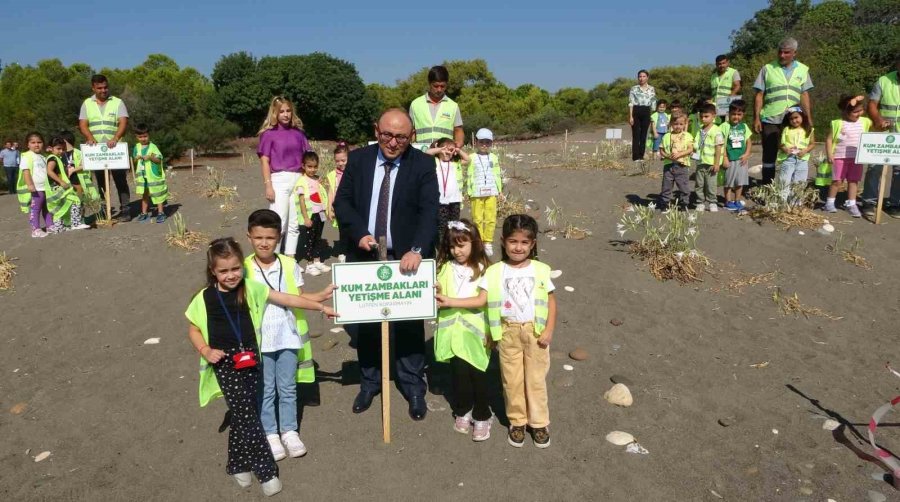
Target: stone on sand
[
  {"x": 831, "y": 425},
  {"x": 555, "y": 274},
  {"x": 41, "y": 456},
  {"x": 18, "y": 408},
  {"x": 619, "y": 438},
  {"x": 616, "y": 322},
  {"x": 619, "y": 395},
  {"x": 578, "y": 354}
]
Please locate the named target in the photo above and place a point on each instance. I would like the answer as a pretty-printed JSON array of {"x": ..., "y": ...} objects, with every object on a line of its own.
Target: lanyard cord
[
  {"x": 280, "y": 272},
  {"x": 236, "y": 328},
  {"x": 445, "y": 177},
  {"x": 481, "y": 165}
]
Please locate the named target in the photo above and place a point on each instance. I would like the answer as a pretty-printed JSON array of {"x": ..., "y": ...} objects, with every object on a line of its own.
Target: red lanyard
[{"x": 445, "y": 176}]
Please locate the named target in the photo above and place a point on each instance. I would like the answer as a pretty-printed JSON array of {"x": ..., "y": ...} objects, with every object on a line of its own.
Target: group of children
[
  {"x": 53, "y": 187},
  {"x": 722, "y": 150}
]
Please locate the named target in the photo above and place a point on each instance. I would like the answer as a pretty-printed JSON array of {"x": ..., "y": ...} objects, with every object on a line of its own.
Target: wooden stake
[
  {"x": 884, "y": 176},
  {"x": 385, "y": 361},
  {"x": 192, "y": 161},
  {"x": 106, "y": 192},
  {"x": 566, "y": 147}
]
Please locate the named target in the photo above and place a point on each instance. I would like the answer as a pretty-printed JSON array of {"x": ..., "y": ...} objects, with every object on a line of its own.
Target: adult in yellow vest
[
  {"x": 725, "y": 83},
  {"x": 884, "y": 110},
  {"x": 780, "y": 85},
  {"x": 434, "y": 115},
  {"x": 104, "y": 119}
]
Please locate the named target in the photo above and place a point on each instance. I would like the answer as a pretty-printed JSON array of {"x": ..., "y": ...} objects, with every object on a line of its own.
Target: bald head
[{"x": 394, "y": 132}]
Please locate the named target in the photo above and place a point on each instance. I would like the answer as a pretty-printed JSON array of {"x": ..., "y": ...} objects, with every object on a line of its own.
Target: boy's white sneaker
[
  {"x": 295, "y": 447},
  {"x": 38, "y": 233},
  {"x": 271, "y": 487},
  {"x": 700, "y": 207},
  {"x": 243, "y": 479},
  {"x": 81, "y": 227},
  {"x": 322, "y": 266},
  {"x": 276, "y": 446},
  {"x": 713, "y": 207},
  {"x": 489, "y": 249},
  {"x": 311, "y": 269}
]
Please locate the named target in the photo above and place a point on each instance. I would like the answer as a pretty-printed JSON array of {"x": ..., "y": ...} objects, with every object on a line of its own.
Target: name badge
[
  {"x": 695, "y": 156},
  {"x": 735, "y": 143},
  {"x": 487, "y": 191},
  {"x": 507, "y": 310}
]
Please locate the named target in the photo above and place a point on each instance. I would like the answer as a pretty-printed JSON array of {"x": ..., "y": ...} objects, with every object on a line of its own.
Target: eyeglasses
[{"x": 386, "y": 137}]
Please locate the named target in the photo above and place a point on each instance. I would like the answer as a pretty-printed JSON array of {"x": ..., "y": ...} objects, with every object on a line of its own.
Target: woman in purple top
[{"x": 282, "y": 144}]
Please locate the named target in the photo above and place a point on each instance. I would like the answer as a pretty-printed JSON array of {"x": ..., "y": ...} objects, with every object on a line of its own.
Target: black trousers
[
  {"x": 310, "y": 239},
  {"x": 470, "y": 390},
  {"x": 408, "y": 348},
  {"x": 446, "y": 212},
  {"x": 248, "y": 449},
  {"x": 120, "y": 178},
  {"x": 641, "y": 115},
  {"x": 771, "y": 142},
  {"x": 12, "y": 177}
]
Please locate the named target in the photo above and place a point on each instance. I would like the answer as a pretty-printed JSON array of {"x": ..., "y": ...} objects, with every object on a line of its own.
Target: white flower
[
  {"x": 621, "y": 233},
  {"x": 691, "y": 231},
  {"x": 679, "y": 255},
  {"x": 234, "y": 187},
  {"x": 692, "y": 217},
  {"x": 620, "y": 226},
  {"x": 652, "y": 205},
  {"x": 694, "y": 253},
  {"x": 209, "y": 168},
  {"x": 630, "y": 209},
  {"x": 222, "y": 206}
]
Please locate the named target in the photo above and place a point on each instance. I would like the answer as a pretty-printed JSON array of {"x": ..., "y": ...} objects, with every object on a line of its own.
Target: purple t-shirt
[{"x": 284, "y": 147}]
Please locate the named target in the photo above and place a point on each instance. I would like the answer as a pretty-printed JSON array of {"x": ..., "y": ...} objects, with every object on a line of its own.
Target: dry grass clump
[
  {"x": 509, "y": 205},
  {"x": 788, "y": 206},
  {"x": 746, "y": 280},
  {"x": 94, "y": 207},
  {"x": 849, "y": 254},
  {"x": 179, "y": 235},
  {"x": 791, "y": 305},
  {"x": 214, "y": 185},
  {"x": 575, "y": 233},
  {"x": 7, "y": 271},
  {"x": 668, "y": 244}
]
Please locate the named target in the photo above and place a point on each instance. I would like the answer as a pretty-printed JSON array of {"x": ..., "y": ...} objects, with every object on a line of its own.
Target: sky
[{"x": 551, "y": 44}]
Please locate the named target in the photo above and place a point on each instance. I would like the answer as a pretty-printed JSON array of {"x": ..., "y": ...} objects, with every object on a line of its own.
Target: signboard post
[
  {"x": 879, "y": 148},
  {"x": 100, "y": 157},
  {"x": 376, "y": 291}
]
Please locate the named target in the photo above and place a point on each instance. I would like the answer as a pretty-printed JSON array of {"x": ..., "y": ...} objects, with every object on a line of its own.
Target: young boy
[
  {"x": 149, "y": 176},
  {"x": 284, "y": 335},
  {"x": 737, "y": 152},
  {"x": 676, "y": 148},
  {"x": 484, "y": 186},
  {"x": 708, "y": 143},
  {"x": 659, "y": 124}
]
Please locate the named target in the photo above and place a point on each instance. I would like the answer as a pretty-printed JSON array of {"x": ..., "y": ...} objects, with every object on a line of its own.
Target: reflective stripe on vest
[
  {"x": 721, "y": 84},
  {"x": 144, "y": 174},
  {"x": 708, "y": 153},
  {"x": 494, "y": 277},
  {"x": 460, "y": 332},
  {"x": 429, "y": 130},
  {"x": 103, "y": 125},
  {"x": 802, "y": 143},
  {"x": 780, "y": 93}
]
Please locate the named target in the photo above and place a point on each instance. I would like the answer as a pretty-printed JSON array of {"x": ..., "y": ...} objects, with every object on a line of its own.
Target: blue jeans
[
  {"x": 279, "y": 376},
  {"x": 873, "y": 182},
  {"x": 793, "y": 170},
  {"x": 12, "y": 174}
]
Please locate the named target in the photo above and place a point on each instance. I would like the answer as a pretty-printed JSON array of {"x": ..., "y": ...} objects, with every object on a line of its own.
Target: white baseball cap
[{"x": 484, "y": 133}]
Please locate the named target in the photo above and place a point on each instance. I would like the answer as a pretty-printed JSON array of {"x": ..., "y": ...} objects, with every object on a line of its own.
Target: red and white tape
[{"x": 884, "y": 455}]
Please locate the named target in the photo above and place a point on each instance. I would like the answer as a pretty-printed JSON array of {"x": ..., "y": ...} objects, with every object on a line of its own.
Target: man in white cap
[{"x": 485, "y": 186}]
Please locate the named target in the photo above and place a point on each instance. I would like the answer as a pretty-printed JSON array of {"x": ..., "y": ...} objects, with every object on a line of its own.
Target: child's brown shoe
[
  {"x": 541, "y": 437},
  {"x": 516, "y": 435}
]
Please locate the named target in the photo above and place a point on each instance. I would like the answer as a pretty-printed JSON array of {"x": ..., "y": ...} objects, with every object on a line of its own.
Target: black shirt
[{"x": 221, "y": 333}]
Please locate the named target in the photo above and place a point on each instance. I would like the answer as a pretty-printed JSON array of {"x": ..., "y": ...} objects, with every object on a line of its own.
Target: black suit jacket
[{"x": 414, "y": 203}]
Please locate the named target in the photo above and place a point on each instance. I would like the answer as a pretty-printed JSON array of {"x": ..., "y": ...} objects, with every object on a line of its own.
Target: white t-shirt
[
  {"x": 485, "y": 184},
  {"x": 279, "y": 325},
  {"x": 38, "y": 167},
  {"x": 447, "y": 182},
  {"x": 518, "y": 292},
  {"x": 462, "y": 278}
]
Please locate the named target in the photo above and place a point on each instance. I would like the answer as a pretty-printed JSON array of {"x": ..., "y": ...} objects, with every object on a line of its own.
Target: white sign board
[
  {"x": 100, "y": 157},
  {"x": 882, "y": 148},
  {"x": 377, "y": 291},
  {"x": 723, "y": 102},
  {"x": 613, "y": 134}
]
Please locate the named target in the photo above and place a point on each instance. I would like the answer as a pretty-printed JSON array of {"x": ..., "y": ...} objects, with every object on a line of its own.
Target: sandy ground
[{"x": 122, "y": 422}]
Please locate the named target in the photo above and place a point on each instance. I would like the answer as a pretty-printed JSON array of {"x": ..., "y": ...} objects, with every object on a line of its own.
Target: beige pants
[{"x": 524, "y": 367}]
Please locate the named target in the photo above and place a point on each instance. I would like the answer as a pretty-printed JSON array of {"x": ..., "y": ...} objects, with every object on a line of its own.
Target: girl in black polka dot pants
[{"x": 247, "y": 446}]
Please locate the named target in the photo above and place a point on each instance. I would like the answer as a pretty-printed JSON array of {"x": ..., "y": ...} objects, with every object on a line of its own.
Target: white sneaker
[
  {"x": 295, "y": 447},
  {"x": 342, "y": 258},
  {"x": 713, "y": 207},
  {"x": 271, "y": 487},
  {"x": 276, "y": 446},
  {"x": 243, "y": 479},
  {"x": 312, "y": 270},
  {"x": 322, "y": 266},
  {"x": 489, "y": 249},
  {"x": 700, "y": 207},
  {"x": 38, "y": 234},
  {"x": 81, "y": 227}
]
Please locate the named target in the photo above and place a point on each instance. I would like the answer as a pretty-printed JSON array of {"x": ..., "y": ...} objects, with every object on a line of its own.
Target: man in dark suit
[{"x": 390, "y": 190}]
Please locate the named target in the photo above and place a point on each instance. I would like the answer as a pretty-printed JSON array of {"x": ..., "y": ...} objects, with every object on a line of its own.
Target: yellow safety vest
[
  {"x": 303, "y": 182},
  {"x": 331, "y": 180},
  {"x": 889, "y": 105},
  {"x": 824, "y": 169},
  {"x": 708, "y": 152},
  {"x": 59, "y": 199},
  {"x": 103, "y": 125},
  {"x": 22, "y": 192},
  {"x": 306, "y": 371},
  {"x": 429, "y": 130},
  {"x": 665, "y": 147},
  {"x": 88, "y": 188},
  {"x": 802, "y": 141},
  {"x": 494, "y": 276},
  {"x": 495, "y": 169},
  {"x": 781, "y": 94},
  {"x": 150, "y": 173},
  {"x": 460, "y": 332},
  {"x": 721, "y": 84}
]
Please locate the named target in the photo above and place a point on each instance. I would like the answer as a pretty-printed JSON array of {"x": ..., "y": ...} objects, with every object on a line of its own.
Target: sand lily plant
[{"x": 667, "y": 241}]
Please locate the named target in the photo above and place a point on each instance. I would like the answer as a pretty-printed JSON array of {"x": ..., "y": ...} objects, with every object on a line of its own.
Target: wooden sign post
[
  {"x": 885, "y": 169},
  {"x": 106, "y": 193},
  {"x": 99, "y": 157},
  {"x": 385, "y": 361}
]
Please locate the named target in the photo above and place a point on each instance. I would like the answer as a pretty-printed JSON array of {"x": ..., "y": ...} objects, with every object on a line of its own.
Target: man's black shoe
[
  {"x": 363, "y": 401},
  {"x": 417, "y": 408}
]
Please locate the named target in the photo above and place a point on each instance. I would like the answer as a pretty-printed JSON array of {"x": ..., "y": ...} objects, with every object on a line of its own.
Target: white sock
[
  {"x": 829, "y": 200},
  {"x": 851, "y": 202}
]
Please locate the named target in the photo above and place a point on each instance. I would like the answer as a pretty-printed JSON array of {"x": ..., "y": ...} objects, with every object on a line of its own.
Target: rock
[
  {"x": 616, "y": 322},
  {"x": 568, "y": 367},
  {"x": 578, "y": 354},
  {"x": 619, "y": 438},
  {"x": 42, "y": 456},
  {"x": 151, "y": 341},
  {"x": 555, "y": 274},
  {"x": 876, "y": 496},
  {"x": 727, "y": 421},
  {"x": 619, "y": 395},
  {"x": 775, "y": 431},
  {"x": 18, "y": 408},
  {"x": 621, "y": 379},
  {"x": 831, "y": 425},
  {"x": 828, "y": 227},
  {"x": 330, "y": 344},
  {"x": 569, "y": 289},
  {"x": 336, "y": 330}
]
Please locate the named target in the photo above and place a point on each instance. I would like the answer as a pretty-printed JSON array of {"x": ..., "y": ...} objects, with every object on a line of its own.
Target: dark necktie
[{"x": 384, "y": 199}]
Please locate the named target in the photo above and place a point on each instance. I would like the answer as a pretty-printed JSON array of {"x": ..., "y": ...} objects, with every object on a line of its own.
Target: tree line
[{"x": 847, "y": 45}]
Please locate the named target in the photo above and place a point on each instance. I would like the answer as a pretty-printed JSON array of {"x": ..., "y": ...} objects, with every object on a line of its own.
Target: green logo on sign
[
  {"x": 103, "y": 149},
  {"x": 890, "y": 139},
  {"x": 384, "y": 272},
  {"x": 385, "y": 312}
]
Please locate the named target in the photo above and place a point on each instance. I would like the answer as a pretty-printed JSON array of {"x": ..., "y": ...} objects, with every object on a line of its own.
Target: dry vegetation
[
  {"x": 667, "y": 243},
  {"x": 7, "y": 271},
  {"x": 791, "y": 305},
  {"x": 179, "y": 235},
  {"x": 849, "y": 253},
  {"x": 789, "y": 207}
]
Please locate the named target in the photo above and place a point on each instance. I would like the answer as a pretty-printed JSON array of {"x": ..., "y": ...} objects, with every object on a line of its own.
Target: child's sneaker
[
  {"x": 143, "y": 217},
  {"x": 81, "y": 226},
  {"x": 516, "y": 435},
  {"x": 243, "y": 479},
  {"x": 854, "y": 211},
  {"x": 311, "y": 269},
  {"x": 161, "y": 218},
  {"x": 700, "y": 207},
  {"x": 829, "y": 207},
  {"x": 271, "y": 487},
  {"x": 713, "y": 207},
  {"x": 541, "y": 437},
  {"x": 489, "y": 249},
  {"x": 295, "y": 447},
  {"x": 732, "y": 206},
  {"x": 276, "y": 446},
  {"x": 463, "y": 423},
  {"x": 482, "y": 430},
  {"x": 322, "y": 266},
  {"x": 38, "y": 233}
]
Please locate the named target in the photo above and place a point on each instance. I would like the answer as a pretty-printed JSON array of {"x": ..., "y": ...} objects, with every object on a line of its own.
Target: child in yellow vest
[
  {"x": 737, "y": 152},
  {"x": 462, "y": 337},
  {"x": 709, "y": 143},
  {"x": 62, "y": 199},
  {"x": 285, "y": 344},
  {"x": 31, "y": 185},
  {"x": 521, "y": 311},
  {"x": 311, "y": 199},
  {"x": 840, "y": 148},
  {"x": 485, "y": 186},
  {"x": 659, "y": 126},
  {"x": 797, "y": 141},
  {"x": 449, "y": 161},
  {"x": 676, "y": 148},
  {"x": 224, "y": 321},
  {"x": 150, "y": 177}
]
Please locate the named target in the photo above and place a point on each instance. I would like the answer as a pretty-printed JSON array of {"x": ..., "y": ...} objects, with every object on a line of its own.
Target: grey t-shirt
[
  {"x": 123, "y": 112},
  {"x": 760, "y": 85},
  {"x": 875, "y": 95}
]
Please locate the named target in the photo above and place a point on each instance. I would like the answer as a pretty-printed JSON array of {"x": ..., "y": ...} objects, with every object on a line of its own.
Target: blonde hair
[{"x": 272, "y": 117}]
